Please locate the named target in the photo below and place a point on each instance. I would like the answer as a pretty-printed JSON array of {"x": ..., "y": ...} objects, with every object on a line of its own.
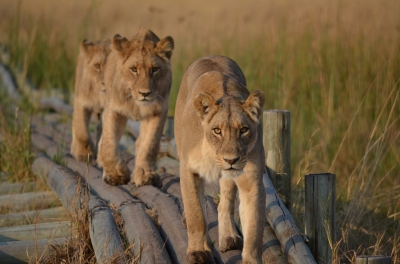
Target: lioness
[
  {"x": 89, "y": 95},
  {"x": 218, "y": 136},
  {"x": 138, "y": 80}
]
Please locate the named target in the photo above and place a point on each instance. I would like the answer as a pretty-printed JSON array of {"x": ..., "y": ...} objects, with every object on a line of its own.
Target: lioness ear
[
  {"x": 254, "y": 105},
  {"x": 87, "y": 47},
  {"x": 120, "y": 44},
  {"x": 204, "y": 104},
  {"x": 165, "y": 46}
]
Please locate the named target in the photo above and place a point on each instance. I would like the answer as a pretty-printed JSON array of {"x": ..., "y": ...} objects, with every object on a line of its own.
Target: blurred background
[{"x": 335, "y": 65}]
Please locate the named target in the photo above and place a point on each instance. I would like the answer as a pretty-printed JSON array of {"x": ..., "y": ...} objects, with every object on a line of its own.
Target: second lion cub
[{"x": 219, "y": 137}]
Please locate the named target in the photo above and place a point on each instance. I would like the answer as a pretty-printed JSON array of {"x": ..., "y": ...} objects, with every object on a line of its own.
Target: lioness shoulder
[
  {"x": 89, "y": 95},
  {"x": 138, "y": 81},
  {"x": 218, "y": 137}
]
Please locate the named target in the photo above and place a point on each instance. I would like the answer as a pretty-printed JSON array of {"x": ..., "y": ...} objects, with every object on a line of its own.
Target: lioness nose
[
  {"x": 231, "y": 161},
  {"x": 145, "y": 94}
]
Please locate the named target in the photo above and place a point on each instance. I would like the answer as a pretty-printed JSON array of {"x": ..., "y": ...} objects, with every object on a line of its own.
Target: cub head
[
  {"x": 96, "y": 58},
  {"x": 144, "y": 66},
  {"x": 231, "y": 128}
]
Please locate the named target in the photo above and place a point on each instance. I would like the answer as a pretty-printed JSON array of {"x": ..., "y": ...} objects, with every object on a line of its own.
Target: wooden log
[
  {"x": 9, "y": 82},
  {"x": 373, "y": 260},
  {"x": 28, "y": 201},
  {"x": 133, "y": 127},
  {"x": 320, "y": 211},
  {"x": 19, "y": 187},
  {"x": 22, "y": 251},
  {"x": 56, "y": 104},
  {"x": 37, "y": 216},
  {"x": 284, "y": 227},
  {"x": 276, "y": 140},
  {"x": 66, "y": 185},
  {"x": 35, "y": 231}
]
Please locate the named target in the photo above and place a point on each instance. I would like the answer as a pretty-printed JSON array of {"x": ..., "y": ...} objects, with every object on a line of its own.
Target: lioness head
[
  {"x": 231, "y": 128},
  {"x": 144, "y": 62},
  {"x": 96, "y": 57}
]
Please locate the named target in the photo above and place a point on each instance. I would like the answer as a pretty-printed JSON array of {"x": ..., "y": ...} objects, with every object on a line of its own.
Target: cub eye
[
  {"x": 217, "y": 131},
  {"x": 134, "y": 69},
  {"x": 244, "y": 130},
  {"x": 154, "y": 69},
  {"x": 97, "y": 66}
]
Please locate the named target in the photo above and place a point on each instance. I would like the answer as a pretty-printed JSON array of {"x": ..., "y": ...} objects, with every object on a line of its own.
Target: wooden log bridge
[{"x": 153, "y": 227}]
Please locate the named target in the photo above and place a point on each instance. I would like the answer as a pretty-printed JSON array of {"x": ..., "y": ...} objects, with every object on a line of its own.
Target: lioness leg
[
  {"x": 82, "y": 146},
  {"x": 228, "y": 235},
  {"x": 115, "y": 171},
  {"x": 147, "y": 148},
  {"x": 198, "y": 250},
  {"x": 252, "y": 216}
]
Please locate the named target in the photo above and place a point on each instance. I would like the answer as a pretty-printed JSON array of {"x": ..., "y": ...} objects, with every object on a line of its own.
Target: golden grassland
[{"x": 335, "y": 65}]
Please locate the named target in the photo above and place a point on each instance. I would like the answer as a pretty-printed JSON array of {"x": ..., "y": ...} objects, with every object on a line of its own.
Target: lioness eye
[
  {"x": 154, "y": 69},
  {"x": 97, "y": 66},
  {"x": 217, "y": 131},
  {"x": 134, "y": 69},
  {"x": 244, "y": 130}
]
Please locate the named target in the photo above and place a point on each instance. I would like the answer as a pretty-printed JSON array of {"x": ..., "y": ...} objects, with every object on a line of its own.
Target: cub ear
[
  {"x": 254, "y": 105},
  {"x": 165, "y": 46},
  {"x": 120, "y": 44},
  {"x": 204, "y": 104},
  {"x": 87, "y": 47}
]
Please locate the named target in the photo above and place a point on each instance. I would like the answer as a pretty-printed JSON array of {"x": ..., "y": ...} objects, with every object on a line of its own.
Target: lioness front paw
[
  {"x": 119, "y": 176},
  {"x": 230, "y": 243},
  {"x": 141, "y": 177},
  {"x": 199, "y": 257},
  {"x": 82, "y": 153}
]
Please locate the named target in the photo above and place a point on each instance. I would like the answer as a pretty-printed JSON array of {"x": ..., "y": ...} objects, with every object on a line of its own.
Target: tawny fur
[
  {"x": 218, "y": 137},
  {"x": 89, "y": 96},
  {"x": 138, "y": 81}
]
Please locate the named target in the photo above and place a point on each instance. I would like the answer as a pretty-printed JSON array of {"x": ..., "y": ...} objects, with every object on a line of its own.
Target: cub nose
[
  {"x": 232, "y": 161},
  {"x": 145, "y": 93}
]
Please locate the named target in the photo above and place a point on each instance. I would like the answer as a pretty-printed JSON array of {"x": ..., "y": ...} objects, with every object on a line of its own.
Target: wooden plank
[
  {"x": 22, "y": 251},
  {"x": 320, "y": 204},
  {"x": 276, "y": 140},
  {"x": 28, "y": 201},
  {"x": 373, "y": 260},
  {"x": 284, "y": 227},
  {"x": 55, "y": 214},
  {"x": 35, "y": 231}
]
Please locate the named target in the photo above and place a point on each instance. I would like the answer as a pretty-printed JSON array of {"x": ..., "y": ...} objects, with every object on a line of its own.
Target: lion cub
[
  {"x": 138, "y": 81},
  {"x": 89, "y": 95},
  {"x": 219, "y": 137}
]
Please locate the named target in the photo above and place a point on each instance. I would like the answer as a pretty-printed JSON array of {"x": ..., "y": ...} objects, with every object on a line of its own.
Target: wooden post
[
  {"x": 320, "y": 207},
  {"x": 373, "y": 260},
  {"x": 276, "y": 140}
]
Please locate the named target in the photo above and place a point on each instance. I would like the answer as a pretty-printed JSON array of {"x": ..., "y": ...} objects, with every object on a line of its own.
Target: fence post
[
  {"x": 276, "y": 140},
  {"x": 320, "y": 209},
  {"x": 373, "y": 260}
]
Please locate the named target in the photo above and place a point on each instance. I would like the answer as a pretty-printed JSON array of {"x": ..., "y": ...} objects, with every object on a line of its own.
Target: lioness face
[
  {"x": 144, "y": 64},
  {"x": 96, "y": 57},
  {"x": 231, "y": 129}
]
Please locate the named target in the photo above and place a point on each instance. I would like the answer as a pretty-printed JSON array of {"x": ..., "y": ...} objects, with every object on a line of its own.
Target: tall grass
[{"x": 334, "y": 64}]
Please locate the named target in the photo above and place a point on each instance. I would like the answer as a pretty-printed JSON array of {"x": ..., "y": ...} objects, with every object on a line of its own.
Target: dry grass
[{"x": 335, "y": 65}]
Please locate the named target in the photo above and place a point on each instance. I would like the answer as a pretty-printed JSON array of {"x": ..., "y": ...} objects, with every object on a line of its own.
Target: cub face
[
  {"x": 143, "y": 65},
  {"x": 96, "y": 57},
  {"x": 231, "y": 128}
]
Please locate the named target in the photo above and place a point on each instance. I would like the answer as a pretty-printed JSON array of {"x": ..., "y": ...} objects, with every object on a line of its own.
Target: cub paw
[
  {"x": 119, "y": 176},
  {"x": 81, "y": 153},
  {"x": 141, "y": 177},
  {"x": 199, "y": 257},
  {"x": 229, "y": 243}
]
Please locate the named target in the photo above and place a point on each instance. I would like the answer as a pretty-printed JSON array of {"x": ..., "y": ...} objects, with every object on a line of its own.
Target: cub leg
[
  {"x": 82, "y": 146},
  {"x": 198, "y": 250},
  {"x": 228, "y": 235},
  {"x": 115, "y": 170},
  {"x": 147, "y": 148},
  {"x": 252, "y": 215}
]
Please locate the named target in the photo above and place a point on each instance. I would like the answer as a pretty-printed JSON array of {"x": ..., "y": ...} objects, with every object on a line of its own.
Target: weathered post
[
  {"x": 276, "y": 140},
  {"x": 373, "y": 260},
  {"x": 320, "y": 207}
]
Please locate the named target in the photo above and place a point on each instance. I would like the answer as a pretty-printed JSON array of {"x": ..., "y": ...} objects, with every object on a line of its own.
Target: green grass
[{"x": 338, "y": 78}]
